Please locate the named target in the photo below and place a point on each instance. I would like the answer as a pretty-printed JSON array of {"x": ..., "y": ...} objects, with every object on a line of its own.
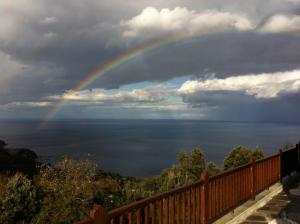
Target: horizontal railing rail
[
  {"x": 207, "y": 199},
  {"x": 162, "y": 207}
]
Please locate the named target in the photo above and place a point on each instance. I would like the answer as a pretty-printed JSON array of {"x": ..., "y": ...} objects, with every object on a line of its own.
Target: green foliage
[
  {"x": 65, "y": 192},
  {"x": 110, "y": 190},
  {"x": 197, "y": 162},
  {"x": 241, "y": 155},
  {"x": 212, "y": 168},
  {"x": 19, "y": 201},
  {"x": 188, "y": 169},
  {"x": 68, "y": 188}
]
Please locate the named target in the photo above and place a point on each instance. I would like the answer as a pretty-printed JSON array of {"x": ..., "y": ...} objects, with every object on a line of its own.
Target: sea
[{"x": 143, "y": 148}]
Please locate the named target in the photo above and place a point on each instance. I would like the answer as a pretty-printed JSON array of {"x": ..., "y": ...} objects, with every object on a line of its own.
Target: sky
[{"x": 175, "y": 59}]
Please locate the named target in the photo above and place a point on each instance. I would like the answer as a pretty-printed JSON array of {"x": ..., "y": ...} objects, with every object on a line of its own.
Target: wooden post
[
  {"x": 99, "y": 215},
  {"x": 280, "y": 164},
  {"x": 204, "y": 199},
  {"x": 252, "y": 173}
]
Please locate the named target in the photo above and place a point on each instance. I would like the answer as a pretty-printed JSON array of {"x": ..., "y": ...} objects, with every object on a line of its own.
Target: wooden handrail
[
  {"x": 230, "y": 171},
  {"x": 207, "y": 199},
  {"x": 149, "y": 200}
]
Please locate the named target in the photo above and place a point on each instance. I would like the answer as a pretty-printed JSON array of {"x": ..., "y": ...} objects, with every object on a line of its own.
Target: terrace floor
[{"x": 283, "y": 208}]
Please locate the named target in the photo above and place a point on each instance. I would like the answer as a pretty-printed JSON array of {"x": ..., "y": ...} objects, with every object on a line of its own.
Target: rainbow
[{"x": 109, "y": 66}]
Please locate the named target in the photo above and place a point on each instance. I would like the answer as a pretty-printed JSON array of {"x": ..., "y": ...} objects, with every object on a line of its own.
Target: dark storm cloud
[
  {"x": 50, "y": 46},
  {"x": 239, "y": 106},
  {"x": 224, "y": 54}
]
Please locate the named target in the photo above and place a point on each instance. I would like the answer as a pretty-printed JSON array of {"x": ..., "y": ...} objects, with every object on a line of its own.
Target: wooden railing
[{"x": 206, "y": 200}]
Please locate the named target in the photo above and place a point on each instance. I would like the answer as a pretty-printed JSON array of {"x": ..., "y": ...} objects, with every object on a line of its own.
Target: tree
[
  {"x": 241, "y": 155},
  {"x": 197, "y": 161},
  {"x": 19, "y": 201},
  {"x": 2, "y": 144},
  {"x": 68, "y": 188},
  {"x": 27, "y": 154},
  {"x": 212, "y": 168},
  {"x": 188, "y": 170}
]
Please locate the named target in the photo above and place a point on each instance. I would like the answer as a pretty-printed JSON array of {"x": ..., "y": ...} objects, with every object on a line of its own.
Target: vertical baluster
[
  {"x": 210, "y": 199},
  {"x": 225, "y": 192},
  {"x": 231, "y": 184},
  {"x": 238, "y": 186},
  {"x": 166, "y": 213},
  {"x": 272, "y": 170},
  {"x": 216, "y": 198},
  {"x": 259, "y": 176},
  {"x": 199, "y": 204},
  {"x": 242, "y": 183},
  {"x": 146, "y": 209},
  {"x": 221, "y": 192},
  {"x": 193, "y": 206},
  {"x": 219, "y": 195},
  {"x": 252, "y": 180},
  {"x": 130, "y": 218},
  {"x": 184, "y": 207},
  {"x": 280, "y": 164},
  {"x": 121, "y": 219},
  {"x": 246, "y": 183},
  {"x": 160, "y": 218},
  {"x": 219, "y": 198},
  {"x": 189, "y": 206},
  {"x": 153, "y": 215},
  {"x": 112, "y": 221},
  {"x": 232, "y": 192},
  {"x": 275, "y": 169},
  {"x": 173, "y": 209},
  {"x": 213, "y": 199},
  {"x": 178, "y": 208},
  {"x": 139, "y": 216},
  {"x": 267, "y": 172},
  {"x": 235, "y": 184},
  {"x": 243, "y": 180},
  {"x": 205, "y": 191},
  {"x": 99, "y": 214}
]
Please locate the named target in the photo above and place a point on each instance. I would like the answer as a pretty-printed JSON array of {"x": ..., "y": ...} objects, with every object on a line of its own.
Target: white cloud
[
  {"x": 154, "y": 94},
  {"x": 294, "y": 1},
  {"x": 49, "y": 20},
  {"x": 158, "y": 106},
  {"x": 282, "y": 23},
  {"x": 185, "y": 21},
  {"x": 50, "y": 35},
  {"x": 260, "y": 86},
  {"x": 14, "y": 105}
]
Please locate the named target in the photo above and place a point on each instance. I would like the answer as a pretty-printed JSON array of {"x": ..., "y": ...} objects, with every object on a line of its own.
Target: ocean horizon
[{"x": 141, "y": 148}]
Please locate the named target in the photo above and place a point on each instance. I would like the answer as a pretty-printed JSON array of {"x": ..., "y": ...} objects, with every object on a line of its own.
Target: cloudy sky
[{"x": 233, "y": 61}]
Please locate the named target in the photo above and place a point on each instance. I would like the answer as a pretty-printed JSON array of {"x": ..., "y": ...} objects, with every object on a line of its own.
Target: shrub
[
  {"x": 212, "y": 168},
  {"x": 241, "y": 155},
  {"x": 26, "y": 154},
  {"x": 69, "y": 188},
  {"x": 188, "y": 170},
  {"x": 19, "y": 201},
  {"x": 2, "y": 144}
]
